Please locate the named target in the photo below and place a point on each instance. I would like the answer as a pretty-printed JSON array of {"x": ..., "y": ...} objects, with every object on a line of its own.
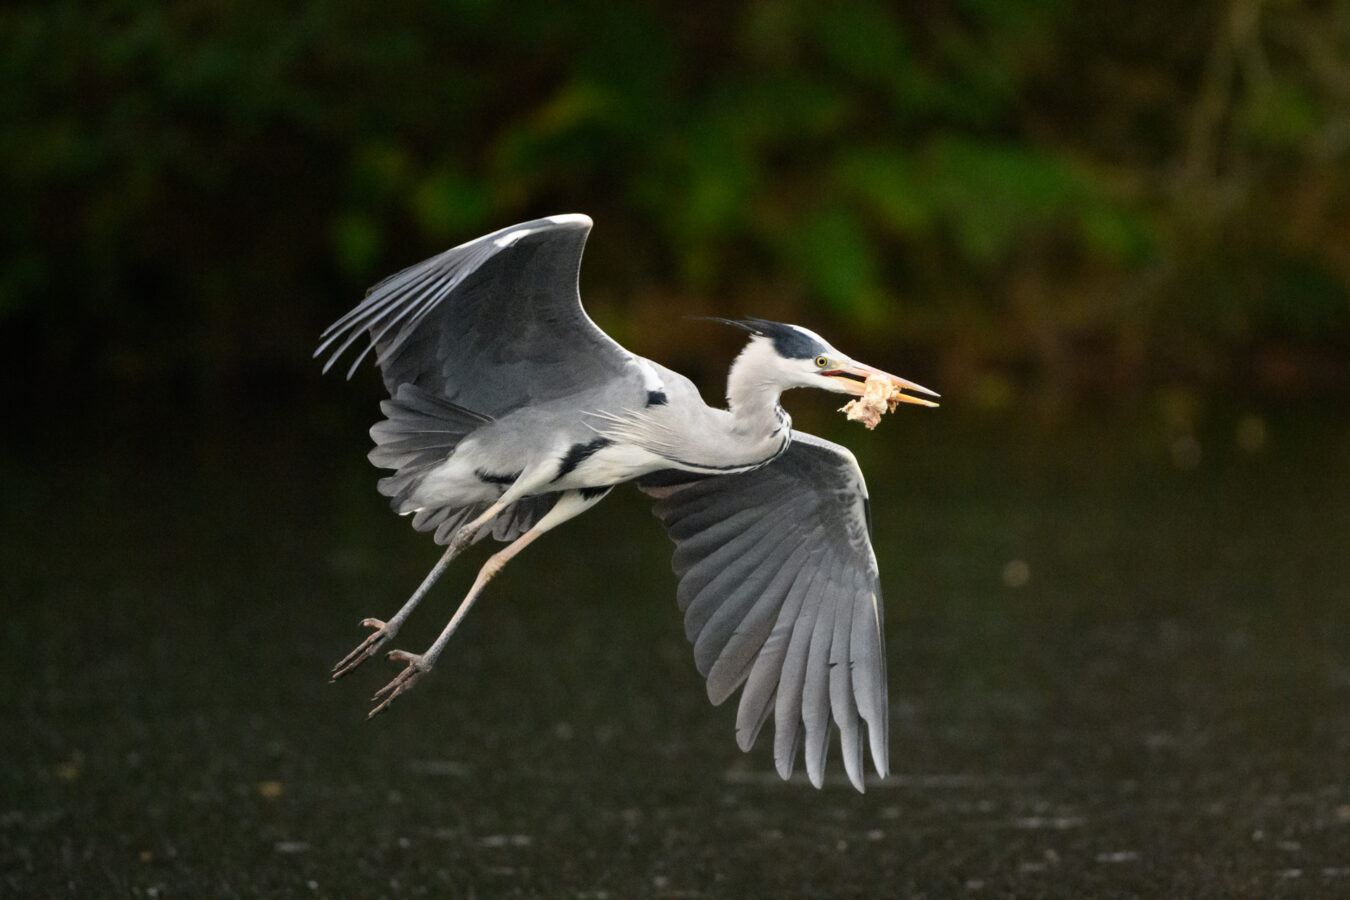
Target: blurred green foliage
[{"x": 1099, "y": 194}]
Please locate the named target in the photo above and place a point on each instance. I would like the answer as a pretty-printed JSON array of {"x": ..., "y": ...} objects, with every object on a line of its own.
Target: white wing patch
[
  {"x": 514, "y": 235},
  {"x": 511, "y": 237},
  {"x": 651, "y": 382}
]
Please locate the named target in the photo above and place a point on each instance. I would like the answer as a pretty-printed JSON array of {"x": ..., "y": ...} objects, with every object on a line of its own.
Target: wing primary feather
[
  {"x": 708, "y": 541},
  {"x": 352, "y": 338},
  {"x": 367, "y": 310},
  {"x": 761, "y": 687},
  {"x": 787, "y": 714},
  {"x": 749, "y": 640},
  {"x": 816, "y": 680},
  {"x": 747, "y": 734},
  {"x": 691, "y": 526},
  {"x": 367, "y": 315},
  {"x": 410, "y": 320},
  {"x": 729, "y": 581},
  {"x": 843, "y": 705},
  {"x": 731, "y": 553},
  {"x": 408, "y": 307},
  {"x": 388, "y": 299},
  {"x": 398, "y": 317},
  {"x": 357, "y": 331},
  {"x": 869, "y": 677},
  {"x": 402, "y": 299},
  {"x": 331, "y": 334},
  {"x": 727, "y": 619},
  {"x": 385, "y": 293},
  {"x": 787, "y": 757}
]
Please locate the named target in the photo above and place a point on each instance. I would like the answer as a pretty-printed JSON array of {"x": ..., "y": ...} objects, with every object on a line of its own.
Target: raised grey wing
[
  {"x": 491, "y": 325},
  {"x": 780, "y": 593}
]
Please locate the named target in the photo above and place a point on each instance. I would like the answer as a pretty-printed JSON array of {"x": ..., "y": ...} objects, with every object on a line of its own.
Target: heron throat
[{"x": 753, "y": 393}]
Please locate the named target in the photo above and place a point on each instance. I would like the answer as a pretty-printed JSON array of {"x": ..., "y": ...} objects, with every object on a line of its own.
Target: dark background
[
  {"x": 1114, "y": 236},
  {"x": 1073, "y": 197}
]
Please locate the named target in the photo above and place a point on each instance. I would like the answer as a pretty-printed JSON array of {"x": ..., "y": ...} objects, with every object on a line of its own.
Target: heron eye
[{"x": 821, "y": 362}]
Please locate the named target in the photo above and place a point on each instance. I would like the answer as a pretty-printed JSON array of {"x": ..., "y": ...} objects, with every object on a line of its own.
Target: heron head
[{"x": 798, "y": 357}]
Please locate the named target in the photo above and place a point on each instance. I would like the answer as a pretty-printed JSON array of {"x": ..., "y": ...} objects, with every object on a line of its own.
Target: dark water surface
[{"x": 1119, "y": 665}]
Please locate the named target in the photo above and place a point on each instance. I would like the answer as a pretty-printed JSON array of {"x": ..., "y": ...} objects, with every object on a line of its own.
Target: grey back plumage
[{"x": 780, "y": 592}]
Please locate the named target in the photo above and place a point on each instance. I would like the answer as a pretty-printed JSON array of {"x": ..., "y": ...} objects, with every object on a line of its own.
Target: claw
[
  {"x": 365, "y": 650},
  {"x": 402, "y": 682}
]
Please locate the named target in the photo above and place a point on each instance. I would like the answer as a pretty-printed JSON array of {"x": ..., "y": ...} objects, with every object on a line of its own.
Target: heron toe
[
  {"x": 364, "y": 650},
  {"x": 403, "y": 681}
]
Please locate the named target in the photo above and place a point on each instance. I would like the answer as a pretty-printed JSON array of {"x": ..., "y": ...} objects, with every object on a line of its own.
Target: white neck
[{"x": 753, "y": 392}]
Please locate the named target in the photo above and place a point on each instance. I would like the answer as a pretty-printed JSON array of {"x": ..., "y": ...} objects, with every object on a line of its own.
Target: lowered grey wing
[
  {"x": 780, "y": 592},
  {"x": 492, "y": 325}
]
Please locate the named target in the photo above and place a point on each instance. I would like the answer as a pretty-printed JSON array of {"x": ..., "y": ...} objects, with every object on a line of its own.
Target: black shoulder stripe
[
  {"x": 494, "y": 478},
  {"x": 579, "y": 453}
]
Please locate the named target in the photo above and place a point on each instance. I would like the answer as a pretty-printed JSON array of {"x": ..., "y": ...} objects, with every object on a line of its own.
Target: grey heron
[{"x": 510, "y": 412}]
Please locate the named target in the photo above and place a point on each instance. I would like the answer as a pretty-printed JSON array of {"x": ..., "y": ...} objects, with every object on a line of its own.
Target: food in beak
[{"x": 879, "y": 396}]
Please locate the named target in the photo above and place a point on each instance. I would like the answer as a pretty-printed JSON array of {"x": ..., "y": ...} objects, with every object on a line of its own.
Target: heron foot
[
  {"x": 366, "y": 649},
  {"x": 403, "y": 681}
]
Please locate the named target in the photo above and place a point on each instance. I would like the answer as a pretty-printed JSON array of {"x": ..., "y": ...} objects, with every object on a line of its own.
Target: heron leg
[
  {"x": 571, "y": 504},
  {"x": 385, "y": 631}
]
